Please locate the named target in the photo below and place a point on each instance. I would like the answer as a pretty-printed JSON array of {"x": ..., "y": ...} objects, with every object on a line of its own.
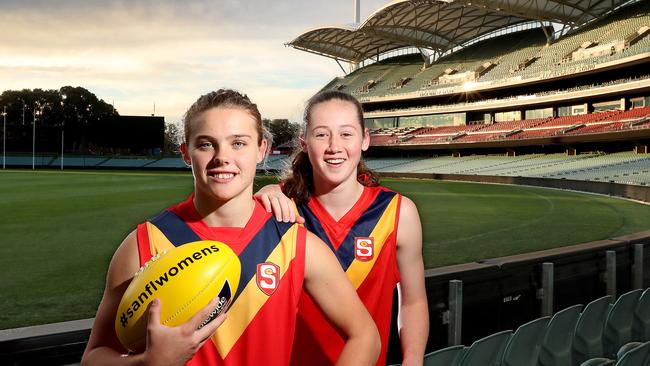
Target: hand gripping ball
[{"x": 185, "y": 279}]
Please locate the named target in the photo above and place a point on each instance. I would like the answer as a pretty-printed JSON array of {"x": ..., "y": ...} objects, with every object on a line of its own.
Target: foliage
[
  {"x": 73, "y": 109},
  {"x": 173, "y": 138},
  {"x": 282, "y": 130}
]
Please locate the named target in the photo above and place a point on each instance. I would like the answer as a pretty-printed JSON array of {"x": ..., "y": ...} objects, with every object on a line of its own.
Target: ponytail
[
  {"x": 298, "y": 179},
  {"x": 365, "y": 176}
]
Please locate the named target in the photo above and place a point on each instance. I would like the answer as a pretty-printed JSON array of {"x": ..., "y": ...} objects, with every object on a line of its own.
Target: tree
[
  {"x": 173, "y": 139},
  {"x": 74, "y": 109},
  {"x": 82, "y": 110},
  {"x": 282, "y": 130}
]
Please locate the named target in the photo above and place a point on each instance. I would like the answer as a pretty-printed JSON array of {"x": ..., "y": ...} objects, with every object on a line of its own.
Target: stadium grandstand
[
  {"x": 509, "y": 91},
  {"x": 503, "y": 87}
]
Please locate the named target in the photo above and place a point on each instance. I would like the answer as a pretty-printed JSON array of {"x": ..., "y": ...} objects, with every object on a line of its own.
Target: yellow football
[{"x": 185, "y": 279}]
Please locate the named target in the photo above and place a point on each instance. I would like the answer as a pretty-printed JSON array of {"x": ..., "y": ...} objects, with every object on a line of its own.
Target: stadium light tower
[
  {"x": 4, "y": 135},
  {"x": 37, "y": 112},
  {"x": 63, "y": 98},
  {"x": 357, "y": 20},
  {"x": 357, "y": 12}
]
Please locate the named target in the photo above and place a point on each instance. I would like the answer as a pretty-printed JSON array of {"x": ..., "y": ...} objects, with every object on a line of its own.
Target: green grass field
[{"x": 58, "y": 230}]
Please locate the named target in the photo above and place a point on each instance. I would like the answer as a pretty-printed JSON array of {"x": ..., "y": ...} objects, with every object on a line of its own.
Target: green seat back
[
  {"x": 618, "y": 324},
  {"x": 635, "y": 357},
  {"x": 487, "y": 351},
  {"x": 598, "y": 362},
  {"x": 558, "y": 339},
  {"x": 523, "y": 347},
  {"x": 449, "y": 356},
  {"x": 641, "y": 327},
  {"x": 588, "y": 339}
]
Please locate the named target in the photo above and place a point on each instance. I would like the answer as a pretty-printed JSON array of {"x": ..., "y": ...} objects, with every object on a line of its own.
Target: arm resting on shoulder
[{"x": 274, "y": 200}]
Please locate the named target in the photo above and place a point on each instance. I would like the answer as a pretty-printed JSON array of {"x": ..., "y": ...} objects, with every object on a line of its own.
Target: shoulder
[
  {"x": 407, "y": 207},
  {"x": 409, "y": 230},
  {"x": 316, "y": 247},
  {"x": 405, "y": 203},
  {"x": 125, "y": 261},
  {"x": 311, "y": 238}
]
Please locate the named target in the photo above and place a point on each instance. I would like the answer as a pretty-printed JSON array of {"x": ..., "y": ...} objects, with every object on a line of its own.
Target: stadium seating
[
  {"x": 588, "y": 339},
  {"x": 524, "y": 346},
  {"x": 512, "y": 125},
  {"x": 638, "y": 356},
  {"x": 618, "y": 324},
  {"x": 378, "y": 140},
  {"x": 555, "y": 349},
  {"x": 641, "y": 328},
  {"x": 487, "y": 351},
  {"x": 633, "y": 114},
  {"x": 599, "y": 361},
  {"x": 597, "y": 128},
  {"x": 568, "y": 338},
  {"x": 125, "y": 163},
  {"x": 597, "y": 122},
  {"x": 477, "y": 137},
  {"x": 167, "y": 163},
  {"x": 449, "y": 356},
  {"x": 26, "y": 160},
  {"x": 516, "y": 56},
  {"x": 78, "y": 161},
  {"x": 622, "y": 167}
]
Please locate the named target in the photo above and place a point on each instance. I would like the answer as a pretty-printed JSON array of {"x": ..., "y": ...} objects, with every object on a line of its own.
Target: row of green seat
[
  {"x": 575, "y": 336},
  {"x": 638, "y": 354}
]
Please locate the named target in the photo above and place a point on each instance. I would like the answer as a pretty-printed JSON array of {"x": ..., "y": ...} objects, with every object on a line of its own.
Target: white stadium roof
[{"x": 441, "y": 24}]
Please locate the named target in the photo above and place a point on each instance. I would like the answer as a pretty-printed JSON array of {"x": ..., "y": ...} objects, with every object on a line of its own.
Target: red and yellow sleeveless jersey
[
  {"x": 364, "y": 241},
  {"x": 259, "y": 329}
]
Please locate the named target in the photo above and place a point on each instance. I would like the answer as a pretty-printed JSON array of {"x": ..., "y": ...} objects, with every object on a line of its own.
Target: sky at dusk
[{"x": 134, "y": 53}]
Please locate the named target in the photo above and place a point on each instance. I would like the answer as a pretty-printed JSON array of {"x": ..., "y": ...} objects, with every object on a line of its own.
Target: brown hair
[
  {"x": 298, "y": 178},
  {"x": 225, "y": 98}
]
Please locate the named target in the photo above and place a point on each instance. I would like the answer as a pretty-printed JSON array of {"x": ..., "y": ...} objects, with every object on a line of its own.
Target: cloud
[{"x": 137, "y": 53}]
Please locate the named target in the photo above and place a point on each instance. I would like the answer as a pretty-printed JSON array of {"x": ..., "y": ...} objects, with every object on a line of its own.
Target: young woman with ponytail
[{"x": 374, "y": 232}]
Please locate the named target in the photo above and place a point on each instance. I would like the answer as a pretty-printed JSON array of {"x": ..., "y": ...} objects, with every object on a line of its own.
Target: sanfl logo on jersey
[
  {"x": 364, "y": 248},
  {"x": 268, "y": 277}
]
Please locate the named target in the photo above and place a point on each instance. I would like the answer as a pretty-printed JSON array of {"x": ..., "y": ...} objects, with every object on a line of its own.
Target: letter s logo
[
  {"x": 268, "y": 277},
  {"x": 364, "y": 248}
]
